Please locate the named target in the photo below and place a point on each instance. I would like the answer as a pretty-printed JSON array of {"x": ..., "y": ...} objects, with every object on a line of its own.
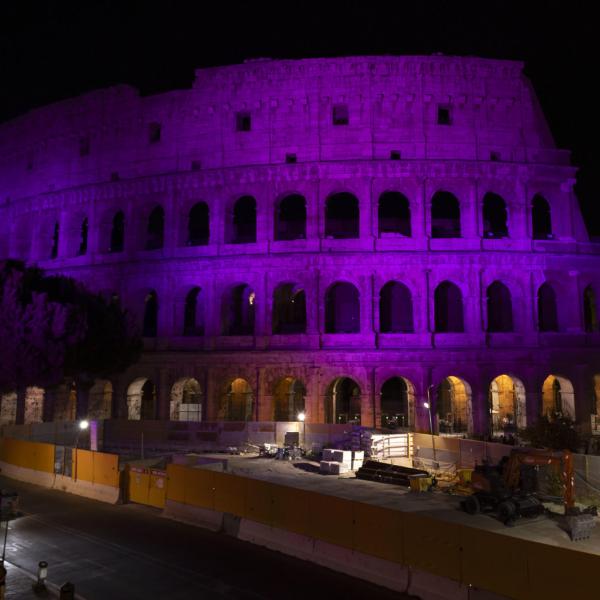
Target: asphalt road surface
[{"x": 129, "y": 552}]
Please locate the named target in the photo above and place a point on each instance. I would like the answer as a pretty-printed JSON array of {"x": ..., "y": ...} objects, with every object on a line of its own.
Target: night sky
[{"x": 54, "y": 50}]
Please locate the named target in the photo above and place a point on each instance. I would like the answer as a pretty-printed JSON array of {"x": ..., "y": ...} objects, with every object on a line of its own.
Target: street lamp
[
  {"x": 427, "y": 405},
  {"x": 82, "y": 426},
  {"x": 302, "y": 419}
]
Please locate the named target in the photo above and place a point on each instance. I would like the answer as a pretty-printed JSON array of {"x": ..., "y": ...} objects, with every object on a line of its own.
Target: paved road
[{"x": 129, "y": 552}]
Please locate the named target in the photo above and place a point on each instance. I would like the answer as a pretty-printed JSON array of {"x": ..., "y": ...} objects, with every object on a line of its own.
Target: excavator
[{"x": 510, "y": 489}]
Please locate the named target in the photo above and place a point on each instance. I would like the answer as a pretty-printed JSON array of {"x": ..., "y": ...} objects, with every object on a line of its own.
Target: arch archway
[
  {"x": 289, "y": 397},
  {"x": 397, "y": 403},
  {"x": 448, "y": 308},
  {"x": 290, "y": 218},
  {"x": 558, "y": 396},
  {"x": 8, "y": 409},
  {"x": 494, "y": 216},
  {"x": 342, "y": 402},
  {"x": 289, "y": 309},
  {"x": 393, "y": 214},
  {"x": 117, "y": 233},
  {"x": 186, "y": 401},
  {"x": 237, "y": 310},
  {"x": 453, "y": 406},
  {"x": 100, "y": 400},
  {"x": 155, "y": 231},
  {"x": 507, "y": 404},
  {"x": 243, "y": 222},
  {"x": 596, "y": 401},
  {"x": 34, "y": 405},
  {"x": 395, "y": 308},
  {"x": 590, "y": 310},
  {"x": 499, "y": 308},
  {"x": 238, "y": 401},
  {"x": 141, "y": 400},
  {"x": 198, "y": 229},
  {"x": 445, "y": 215},
  {"x": 541, "y": 218},
  {"x": 83, "y": 237},
  {"x": 547, "y": 308},
  {"x": 342, "y": 308},
  {"x": 150, "y": 324},
  {"x": 342, "y": 216},
  {"x": 193, "y": 313}
]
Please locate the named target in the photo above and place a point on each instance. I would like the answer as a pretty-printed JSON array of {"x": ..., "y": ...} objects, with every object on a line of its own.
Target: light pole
[
  {"x": 81, "y": 426},
  {"x": 427, "y": 405},
  {"x": 302, "y": 419}
]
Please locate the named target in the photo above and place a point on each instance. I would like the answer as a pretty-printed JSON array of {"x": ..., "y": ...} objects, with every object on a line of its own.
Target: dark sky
[{"x": 56, "y": 49}]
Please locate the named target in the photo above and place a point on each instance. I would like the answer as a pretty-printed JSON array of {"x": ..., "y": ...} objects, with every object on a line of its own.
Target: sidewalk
[{"x": 19, "y": 582}]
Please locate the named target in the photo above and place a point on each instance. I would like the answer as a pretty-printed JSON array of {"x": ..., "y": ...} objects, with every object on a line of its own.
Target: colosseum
[{"x": 355, "y": 239}]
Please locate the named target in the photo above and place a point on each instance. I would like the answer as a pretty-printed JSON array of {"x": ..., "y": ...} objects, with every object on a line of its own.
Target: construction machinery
[{"x": 511, "y": 489}]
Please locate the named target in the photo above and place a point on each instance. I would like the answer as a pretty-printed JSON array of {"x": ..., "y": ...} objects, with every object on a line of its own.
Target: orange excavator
[{"x": 511, "y": 489}]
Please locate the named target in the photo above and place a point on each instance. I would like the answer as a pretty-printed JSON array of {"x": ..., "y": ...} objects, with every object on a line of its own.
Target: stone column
[{"x": 163, "y": 395}]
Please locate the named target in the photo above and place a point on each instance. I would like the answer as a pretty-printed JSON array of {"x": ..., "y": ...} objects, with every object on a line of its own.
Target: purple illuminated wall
[{"x": 457, "y": 150}]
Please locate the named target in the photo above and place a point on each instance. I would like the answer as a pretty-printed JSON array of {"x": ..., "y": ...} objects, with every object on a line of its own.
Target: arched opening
[
  {"x": 590, "y": 310},
  {"x": 342, "y": 402},
  {"x": 193, "y": 318},
  {"x": 547, "y": 310},
  {"x": 499, "y": 308},
  {"x": 342, "y": 308},
  {"x": 243, "y": 230},
  {"x": 34, "y": 405},
  {"x": 448, "y": 308},
  {"x": 289, "y": 309},
  {"x": 342, "y": 216},
  {"x": 508, "y": 411},
  {"x": 394, "y": 214},
  {"x": 238, "y": 401},
  {"x": 395, "y": 308},
  {"x": 100, "y": 400},
  {"x": 288, "y": 399},
  {"x": 55, "y": 240},
  {"x": 155, "y": 234},
  {"x": 558, "y": 397},
  {"x": 596, "y": 396},
  {"x": 494, "y": 216},
  {"x": 150, "y": 325},
  {"x": 141, "y": 400},
  {"x": 453, "y": 406},
  {"x": 186, "y": 401},
  {"x": 198, "y": 231},
  {"x": 8, "y": 409},
  {"x": 290, "y": 218},
  {"x": 445, "y": 215},
  {"x": 117, "y": 233},
  {"x": 237, "y": 310},
  {"x": 83, "y": 238},
  {"x": 65, "y": 402},
  {"x": 397, "y": 403},
  {"x": 541, "y": 218}
]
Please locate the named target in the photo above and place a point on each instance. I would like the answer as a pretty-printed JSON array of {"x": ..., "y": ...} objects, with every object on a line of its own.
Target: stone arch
[
  {"x": 393, "y": 213},
  {"x": 150, "y": 324},
  {"x": 499, "y": 308},
  {"x": 507, "y": 405},
  {"x": 343, "y": 401},
  {"x": 65, "y": 402},
  {"x": 289, "y": 309},
  {"x": 198, "y": 225},
  {"x": 596, "y": 395},
  {"x": 83, "y": 237},
  {"x": 186, "y": 400},
  {"x": 242, "y": 225},
  {"x": 395, "y": 308},
  {"x": 342, "y": 216},
  {"x": 34, "y": 405},
  {"x": 547, "y": 308},
  {"x": 289, "y": 399},
  {"x": 141, "y": 399},
  {"x": 238, "y": 307},
  {"x": 541, "y": 218},
  {"x": 448, "y": 308},
  {"x": 193, "y": 313},
  {"x": 55, "y": 241},
  {"x": 397, "y": 403},
  {"x": 342, "y": 308},
  {"x": 558, "y": 396},
  {"x": 290, "y": 218},
  {"x": 454, "y": 406},
  {"x": 237, "y": 403},
  {"x": 590, "y": 310},
  {"x": 495, "y": 217},
  {"x": 8, "y": 408},
  {"x": 445, "y": 215},
  {"x": 155, "y": 229},
  {"x": 117, "y": 233},
  {"x": 101, "y": 400}
]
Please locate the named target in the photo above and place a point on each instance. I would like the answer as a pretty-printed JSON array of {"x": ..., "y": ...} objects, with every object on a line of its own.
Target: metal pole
[
  {"x": 4, "y": 545},
  {"x": 431, "y": 421}
]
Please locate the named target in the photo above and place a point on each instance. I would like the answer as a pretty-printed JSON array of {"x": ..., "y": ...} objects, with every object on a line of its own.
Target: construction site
[{"x": 416, "y": 513}]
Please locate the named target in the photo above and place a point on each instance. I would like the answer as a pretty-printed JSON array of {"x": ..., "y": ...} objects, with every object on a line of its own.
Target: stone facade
[{"x": 346, "y": 130}]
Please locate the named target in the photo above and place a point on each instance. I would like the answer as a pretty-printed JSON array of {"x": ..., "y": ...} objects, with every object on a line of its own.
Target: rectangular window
[
  {"x": 443, "y": 116},
  {"x": 154, "y": 133},
  {"x": 340, "y": 114},
  {"x": 290, "y": 159},
  {"x": 395, "y": 155},
  {"x": 84, "y": 146},
  {"x": 243, "y": 121},
  {"x": 495, "y": 156}
]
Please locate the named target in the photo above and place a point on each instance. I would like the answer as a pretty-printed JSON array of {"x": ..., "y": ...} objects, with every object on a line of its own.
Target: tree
[{"x": 555, "y": 431}]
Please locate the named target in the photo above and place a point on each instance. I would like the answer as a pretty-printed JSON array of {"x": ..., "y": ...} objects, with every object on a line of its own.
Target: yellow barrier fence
[
  {"x": 96, "y": 467},
  {"x": 28, "y": 455},
  {"x": 147, "y": 486}
]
